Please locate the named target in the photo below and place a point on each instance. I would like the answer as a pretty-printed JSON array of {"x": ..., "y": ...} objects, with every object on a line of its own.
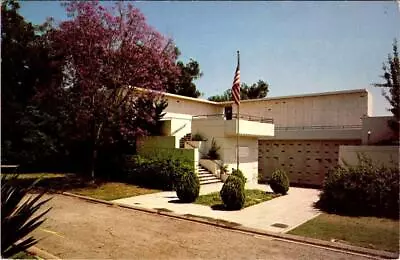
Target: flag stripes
[{"x": 236, "y": 86}]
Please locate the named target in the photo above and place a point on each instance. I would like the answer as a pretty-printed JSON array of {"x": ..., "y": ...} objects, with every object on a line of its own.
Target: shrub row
[
  {"x": 364, "y": 189},
  {"x": 158, "y": 173}
]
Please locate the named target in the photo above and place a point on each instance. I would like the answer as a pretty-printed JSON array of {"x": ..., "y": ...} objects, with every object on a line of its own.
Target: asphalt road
[{"x": 80, "y": 229}]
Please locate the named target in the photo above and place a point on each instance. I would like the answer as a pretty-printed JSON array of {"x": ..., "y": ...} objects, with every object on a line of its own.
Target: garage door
[{"x": 305, "y": 162}]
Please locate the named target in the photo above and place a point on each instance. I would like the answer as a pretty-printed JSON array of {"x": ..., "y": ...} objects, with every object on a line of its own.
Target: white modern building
[{"x": 300, "y": 134}]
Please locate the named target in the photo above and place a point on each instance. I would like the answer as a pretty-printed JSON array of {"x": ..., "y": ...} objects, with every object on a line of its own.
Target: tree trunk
[{"x": 94, "y": 151}]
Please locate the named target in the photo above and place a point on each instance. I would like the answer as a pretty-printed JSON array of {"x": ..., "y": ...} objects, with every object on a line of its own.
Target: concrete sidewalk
[{"x": 291, "y": 210}]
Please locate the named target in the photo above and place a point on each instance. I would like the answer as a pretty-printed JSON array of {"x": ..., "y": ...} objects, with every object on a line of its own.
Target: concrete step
[
  {"x": 210, "y": 181},
  {"x": 204, "y": 178},
  {"x": 204, "y": 171},
  {"x": 205, "y": 174}
]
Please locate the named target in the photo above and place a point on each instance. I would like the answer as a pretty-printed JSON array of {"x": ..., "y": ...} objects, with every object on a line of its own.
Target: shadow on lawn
[
  {"x": 56, "y": 184},
  {"x": 220, "y": 207},
  {"x": 65, "y": 182}
]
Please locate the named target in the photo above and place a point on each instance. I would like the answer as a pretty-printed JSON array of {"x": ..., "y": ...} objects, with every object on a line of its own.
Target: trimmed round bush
[
  {"x": 232, "y": 193},
  {"x": 239, "y": 173},
  {"x": 188, "y": 187},
  {"x": 279, "y": 182}
]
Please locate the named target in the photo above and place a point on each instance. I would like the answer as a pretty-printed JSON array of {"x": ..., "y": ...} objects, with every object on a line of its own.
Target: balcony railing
[
  {"x": 317, "y": 127},
  {"x": 234, "y": 116}
]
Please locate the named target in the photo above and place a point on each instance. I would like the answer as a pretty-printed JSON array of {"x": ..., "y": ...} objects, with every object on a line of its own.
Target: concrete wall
[
  {"x": 175, "y": 125},
  {"x": 388, "y": 155},
  {"x": 316, "y": 134},
  {"x": 214, "y": 129},
  {"x": 248, "y": 128},
  {"x": 378, "y": 127},
  {"x": 336, "y": 108},
  {"x": 191, "y": 106},
  {"x": 305, "y": 161}
]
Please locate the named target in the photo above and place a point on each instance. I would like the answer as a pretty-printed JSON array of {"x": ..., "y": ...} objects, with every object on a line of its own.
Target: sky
[{"x": 297, "y": 47}]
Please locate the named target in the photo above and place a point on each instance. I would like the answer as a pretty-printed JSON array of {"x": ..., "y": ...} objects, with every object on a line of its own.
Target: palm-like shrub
[
  {"x": 188, "y": 187},
  {"x": 213, "y": 152},
  {"x": 17, "y": 219},
  {"x": 279, "y": 182},
  {"x": 232, "y": 193}
]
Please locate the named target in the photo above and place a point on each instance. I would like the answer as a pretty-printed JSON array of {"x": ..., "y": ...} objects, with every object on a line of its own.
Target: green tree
[
  {"x": 25, "y": 66},
  {"x": 184, "y": 84},
  {"x": 391, "y": 87},
  {"x": 256, "y": 90}
]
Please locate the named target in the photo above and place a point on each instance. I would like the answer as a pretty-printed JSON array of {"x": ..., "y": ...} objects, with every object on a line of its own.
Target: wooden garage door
[{"x": 305, "y": 162}]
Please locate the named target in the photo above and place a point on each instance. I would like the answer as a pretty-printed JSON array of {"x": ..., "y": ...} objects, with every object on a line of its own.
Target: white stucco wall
[
  {"x": 335, "y": 108},
  {"x": 388, "y": 155},
  {"x": 191, "y": 106},
  {"x": 214, "y": 128},
  {"x": 378, "y": 127}
]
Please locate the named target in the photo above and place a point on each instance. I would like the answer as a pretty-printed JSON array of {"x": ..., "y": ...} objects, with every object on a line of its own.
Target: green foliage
[
  {"x": 213, "y": 152},
  {"x": 26, "y": 135},
  {"x": 198, "y": 137},
  {"x": 155, "y": 127},
  {"x": 279, "y": 182},
  {"x": 157, "y": 173},
  {"x": 256, "y": 90},
  {"x": 391, "y": 77},
  {"x": 223, "y": 168},
  {"x": 239, "y": 173},
  {"x": 188, "y": 187},
  {"x": 364, "y": 189},
  {"x": 18, "y": 216},
  {"x": 232, "y": 193},
  {"x": 184, "y": 84},
  {"x": 226, "y": 96}
]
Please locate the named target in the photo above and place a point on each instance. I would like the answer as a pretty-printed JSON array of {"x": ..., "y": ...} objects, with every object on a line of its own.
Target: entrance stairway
[
  {"x": 207, "y": 177},
  {"x": 182, "y": 141}
]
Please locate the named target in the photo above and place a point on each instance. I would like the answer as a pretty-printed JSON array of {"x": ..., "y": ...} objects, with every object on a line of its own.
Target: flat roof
[
  {"x": 329, "y": 93},
  {"x": 181, "y": 97}
]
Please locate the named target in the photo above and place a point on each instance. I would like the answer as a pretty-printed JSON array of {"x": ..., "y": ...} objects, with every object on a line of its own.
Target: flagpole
[{"x": 237, "y": 119}]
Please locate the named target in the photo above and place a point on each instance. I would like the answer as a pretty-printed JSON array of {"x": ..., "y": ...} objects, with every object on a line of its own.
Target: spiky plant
[{"x": 17, "y": 220}]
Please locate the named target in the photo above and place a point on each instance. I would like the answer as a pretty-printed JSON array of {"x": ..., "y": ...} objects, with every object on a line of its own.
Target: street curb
[
  {"x": 288, "y": 237},
  {"x": 41, "y": 253}
]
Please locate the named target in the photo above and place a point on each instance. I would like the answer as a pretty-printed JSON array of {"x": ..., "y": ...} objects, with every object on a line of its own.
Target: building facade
[{"x": 300, "y": 134}]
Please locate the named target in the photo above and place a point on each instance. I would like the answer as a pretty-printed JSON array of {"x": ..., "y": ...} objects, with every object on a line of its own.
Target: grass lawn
[
  {"x": 112, "y": 191},
  {"x": 74, "y": 184},
  {"x": 253, "y": 197},
  {"x": 23, "y": 255},
  {"x": 369, "y": 232},
  {"x": 42, "y": 175}
]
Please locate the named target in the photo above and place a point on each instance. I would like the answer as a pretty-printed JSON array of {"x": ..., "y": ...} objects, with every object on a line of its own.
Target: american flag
[{"x": 236, "y": 86}]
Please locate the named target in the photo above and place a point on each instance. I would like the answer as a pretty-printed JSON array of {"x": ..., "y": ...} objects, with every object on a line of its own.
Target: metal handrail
[
  {"x": 316, "y": 127},
  {"x": 234, "y": 116}
]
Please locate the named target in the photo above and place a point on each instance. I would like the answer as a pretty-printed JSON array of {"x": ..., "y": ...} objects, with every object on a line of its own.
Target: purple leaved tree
[{"x": 105, "y": 53}]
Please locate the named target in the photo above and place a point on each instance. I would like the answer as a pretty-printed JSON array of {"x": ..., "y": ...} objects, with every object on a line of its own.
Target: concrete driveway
[{"x": 277, "y": 215}]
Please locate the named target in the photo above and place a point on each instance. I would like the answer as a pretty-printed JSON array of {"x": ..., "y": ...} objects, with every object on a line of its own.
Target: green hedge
[
  {"x": 158, "y": 173},
  {"x": 365, "y": 189}
]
